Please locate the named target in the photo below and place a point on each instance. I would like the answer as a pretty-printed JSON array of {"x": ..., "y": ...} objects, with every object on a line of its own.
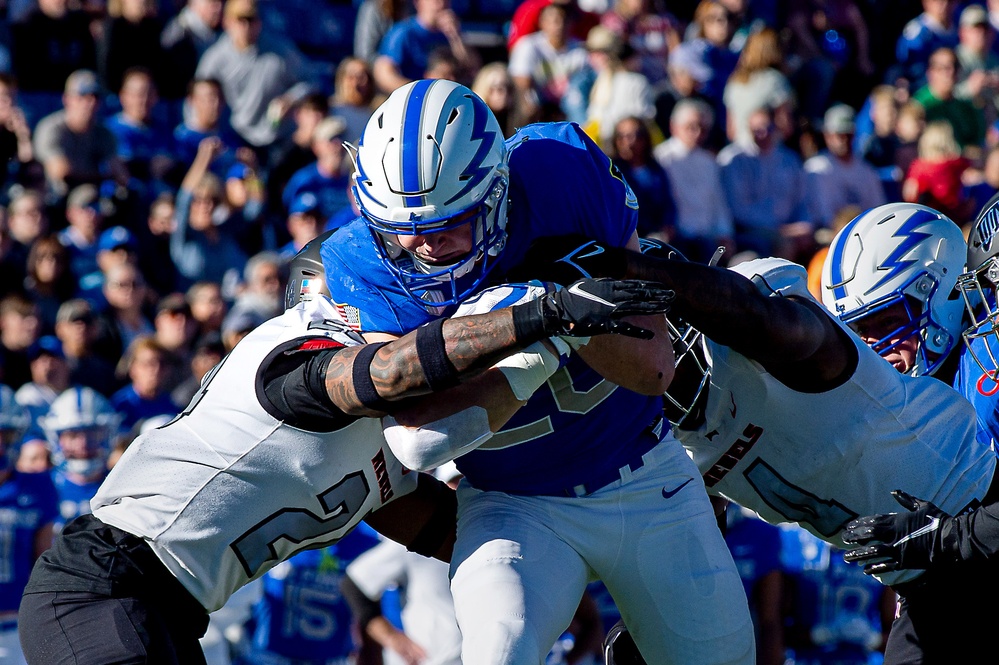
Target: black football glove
[
  {"x": 592, "y": 307},
  {"x": 896, "y": 541},
  {"x": 565, "y": 259}
]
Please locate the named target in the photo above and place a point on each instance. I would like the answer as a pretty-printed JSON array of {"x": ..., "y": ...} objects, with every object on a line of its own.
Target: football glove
[
  {"x": 896, "y": 541},
  {"x": 593, "y": 307}
]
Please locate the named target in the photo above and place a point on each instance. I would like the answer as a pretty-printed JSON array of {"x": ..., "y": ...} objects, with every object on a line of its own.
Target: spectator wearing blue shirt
[
  {"x": 146, "y": 364},
  {"x": 329, "y": 177},
  {"x": 633, "y": 155},
  {"x": 404, "y": 51},
  {"x": 303, "y": 223},
  {"x": 85, "y": 217},
  {"x": 205, "y": 117},
  {"x": 934, "y": 28},
  {"x": 142, "y": 143}
]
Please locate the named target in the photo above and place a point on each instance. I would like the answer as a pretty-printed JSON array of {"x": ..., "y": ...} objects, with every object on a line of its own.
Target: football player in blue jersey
[
  {"x": 27, "y": 513},
  {"x": 583, "y": 482},
  {"x": 79, "y": 426}
]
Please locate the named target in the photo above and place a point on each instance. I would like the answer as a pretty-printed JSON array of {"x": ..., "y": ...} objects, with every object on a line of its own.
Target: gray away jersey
[
  {"x": 226, "y": 491},
  {"x": 823, "y": 459}
]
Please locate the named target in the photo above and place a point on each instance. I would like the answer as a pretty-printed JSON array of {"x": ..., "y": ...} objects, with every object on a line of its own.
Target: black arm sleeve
[
  {"x": 295, "y": 388},
  {"x": 968, "y": 538},
  {"x": 361, "y": 607}
]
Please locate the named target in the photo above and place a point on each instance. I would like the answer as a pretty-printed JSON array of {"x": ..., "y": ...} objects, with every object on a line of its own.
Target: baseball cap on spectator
[
  {"x": 82, "y": 82},
  {"x": 174, "y": 303},
  {"x": 211, "y": 343},
  {"x": 115, "y": 238},
  {"x": 304, "y": 203},
  {"x": 974, "y": 15},
  {"x": 839, "y": 119},
  {"x": 604, "y": 40},
  {"x": 241, "y": 9},
  {"x": 240, "y": 321},
  {"x": 84, "y": 196},
  {"x": 688, "y": 57},
  {"x": 75, "y": 310},
  {"x": 329, "y": 128},
  {"x": 48, "y": 345}
]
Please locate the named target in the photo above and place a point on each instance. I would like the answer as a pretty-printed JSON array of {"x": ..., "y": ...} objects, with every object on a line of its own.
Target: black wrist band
[
  {"x": 438, "y": 369},
  {"x": 361, "y": 376},
  {"x": 529, "y": 321}
]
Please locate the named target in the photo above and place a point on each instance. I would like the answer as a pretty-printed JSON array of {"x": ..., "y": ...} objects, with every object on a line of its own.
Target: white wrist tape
[
  {"x": 428, "y": 446},
  {"x": 528, "y": 370}
]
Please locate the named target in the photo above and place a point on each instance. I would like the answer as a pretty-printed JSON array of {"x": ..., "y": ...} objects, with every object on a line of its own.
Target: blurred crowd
[{"x": 162, "y": 161}]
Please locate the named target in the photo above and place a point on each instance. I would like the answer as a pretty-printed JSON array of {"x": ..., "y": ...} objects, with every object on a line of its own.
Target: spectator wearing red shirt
[{"x": 934, "y": 178}]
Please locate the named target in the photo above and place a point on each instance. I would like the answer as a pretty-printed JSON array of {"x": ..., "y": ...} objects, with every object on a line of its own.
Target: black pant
[
  {"x": 945, "y": 618},
  {"x": 99, "y": 596}
]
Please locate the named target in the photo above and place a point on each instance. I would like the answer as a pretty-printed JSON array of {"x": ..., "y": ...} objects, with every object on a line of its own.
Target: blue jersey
[
  {"x": 919, "y": 39},
  {"x": 302, "y": 615},
  {"x": 138, "y": 142},
  {"x": 979, "y": 389},
  {"x": 332, "y": 193},
  {"x": 134, "y": 408},
  {"x": 579, "y": 427},
  {"x": 27, "y": 503},
  {"x": 74, "y": 498}
]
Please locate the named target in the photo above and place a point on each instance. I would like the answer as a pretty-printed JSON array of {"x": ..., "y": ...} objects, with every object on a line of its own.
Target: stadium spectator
[
  {"x": 632, "y": 154},
  {"x": 27, "y": 218},
  {"x": 354, "y": 96},
  {"x": 703, "y": 219},
  {"x": 86, "y": 220},
  {"x": 57, "y": 36},
  {"x": 146, "y": 365},
  {"x": 175, "y": 332},
  {"x": 48, "y": 281},
  {"x": 304, "y": 223},
  {"x": 542, "y": 64},
  {"x": 49, "y": 378},
  {"x": 909, "y": 127},
  {"x": 262, "y": 290},
  {"x": 76, "y": 331},
  {"x": 208, "y": 307},
  {"x": 261, "y": 74},
  {"x": 935, "y": 177},
  {"x": 142, "y": 142},
  {"x": 184, "y": 39},
  {"x": 125, "y": 318},
  {"x": 374, "y": 19},
  {"x": 204, "y": 118},
  {"x": 764, "y": 185},
  {"x": 686, "y": 74},
  {"x": 329, "y": 176},
  {"x": 836, "y": 178},
  {"x": 494, "y": 85},
  {"x": 72, "y": 145},
  {"x": 933, "y": 29},
  {"x": 938, "y": 98},
  {"x": 130, "y": 37},
  {"x": 207, "y": 353},
  {"x": 616, "y": 92},
  {"x": 402, "y": 55},
  {"x": 981, "y": 186},
  {"x": 294, "y": 152},
  {"x": 19, "y": 329},
  {"x": 711, "y": 32},
  {"x": 878, "y": 148},
  {"x": 650, "y": 34},
  {"x": 16, "y": 150},
  {"x": 154, "y": 245},
  {"x": 200, "y": 248},
  {"x": 237, "y": 325},
  {"x": 758, "y": 81}
]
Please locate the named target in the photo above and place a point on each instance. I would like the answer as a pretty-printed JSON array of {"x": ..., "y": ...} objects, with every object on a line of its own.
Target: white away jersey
[
  {"x": 226, "y": 490},
  {"x": 824, "y": 459}
]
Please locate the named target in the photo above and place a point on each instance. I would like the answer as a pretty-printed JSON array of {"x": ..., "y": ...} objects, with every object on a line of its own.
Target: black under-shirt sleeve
[{"x": 294, "y": 385}]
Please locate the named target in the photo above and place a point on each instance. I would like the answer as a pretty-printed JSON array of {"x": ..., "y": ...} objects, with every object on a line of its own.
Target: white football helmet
[
  {"x": 900, "y": 253},
  {"x": 81, "y": 409},
  {"x": 432, "y": 158},
  {"x": 14, "y": 422},
  {"x": 978, "y": 286}
]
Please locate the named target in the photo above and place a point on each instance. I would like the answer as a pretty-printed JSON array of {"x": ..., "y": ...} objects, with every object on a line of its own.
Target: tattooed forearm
[{"x": 473, "y": 344}]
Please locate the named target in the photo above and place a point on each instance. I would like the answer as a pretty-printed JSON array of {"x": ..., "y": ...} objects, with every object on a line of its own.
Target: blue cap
[
  {"x": 304, "y": 202},
  {"x": 115, "y": 237},
  {"x": 48, "y": 344}
]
